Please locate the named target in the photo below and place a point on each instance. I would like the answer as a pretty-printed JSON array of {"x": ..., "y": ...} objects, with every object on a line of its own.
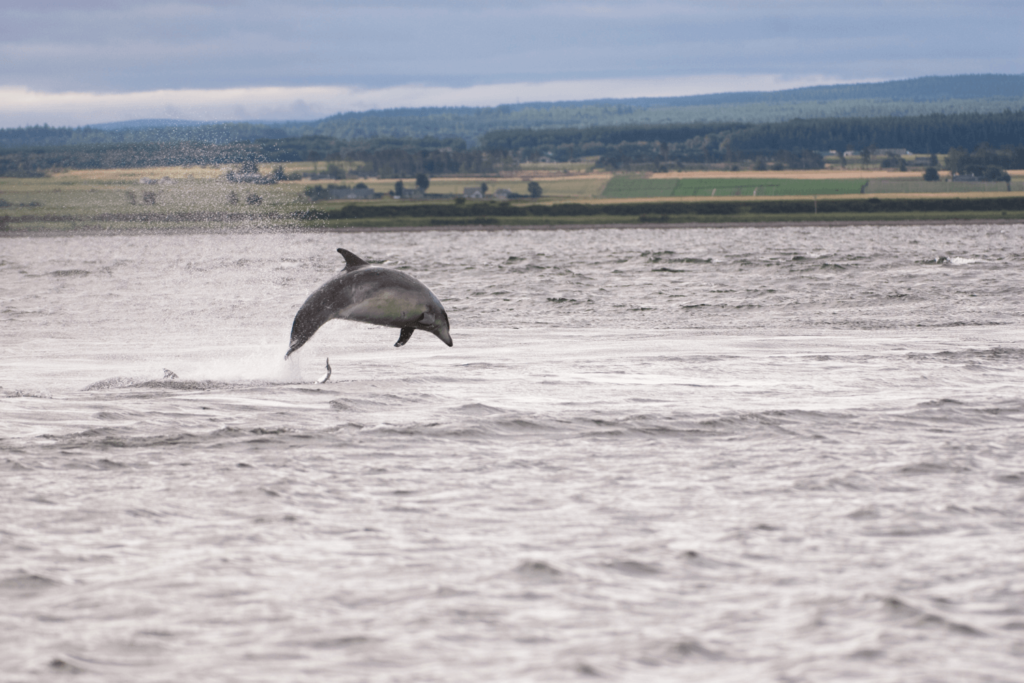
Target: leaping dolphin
[{"x": 371, "y": 294}]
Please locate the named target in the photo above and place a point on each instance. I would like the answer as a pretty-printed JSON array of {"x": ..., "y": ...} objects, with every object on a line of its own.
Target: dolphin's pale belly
[{"x": 385, "y": 309}]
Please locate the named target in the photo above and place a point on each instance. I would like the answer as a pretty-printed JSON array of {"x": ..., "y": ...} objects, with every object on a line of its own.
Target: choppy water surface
[{"x": 786, "y": 454}]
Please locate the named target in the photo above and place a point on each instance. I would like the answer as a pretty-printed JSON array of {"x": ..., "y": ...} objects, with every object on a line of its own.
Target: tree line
[
  {"x": 795, "y": 144},
  {"x": 791, "y": 144},
  {"x": 380, "y": 158}
]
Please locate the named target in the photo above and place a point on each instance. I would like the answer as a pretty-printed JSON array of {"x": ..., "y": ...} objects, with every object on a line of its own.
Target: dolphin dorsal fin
[{"x": 352, "y": 262}]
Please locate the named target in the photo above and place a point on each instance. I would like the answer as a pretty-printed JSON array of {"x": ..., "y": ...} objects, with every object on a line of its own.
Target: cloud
[
  {"x": 122, "y": 46},
  {"x": 21, "y": 106},
  {"x": 81, "y": 61}
]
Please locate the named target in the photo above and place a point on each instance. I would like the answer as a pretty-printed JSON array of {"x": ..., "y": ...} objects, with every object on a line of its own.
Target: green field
[
  {"x": 923, "y": 186},
  {"x": 769, "y": 187},
  {"x": 626, "y": 187},
  {"x": 199, "y": 199}
]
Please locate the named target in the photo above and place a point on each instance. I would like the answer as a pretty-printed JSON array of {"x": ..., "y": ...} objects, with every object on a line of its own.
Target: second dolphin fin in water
[{"x": 327, "y": 375}]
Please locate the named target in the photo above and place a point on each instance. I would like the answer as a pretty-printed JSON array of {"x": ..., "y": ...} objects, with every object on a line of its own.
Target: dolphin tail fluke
[
  {"x": 404, "y": 336},
  {"x": 293, "y": 348}
]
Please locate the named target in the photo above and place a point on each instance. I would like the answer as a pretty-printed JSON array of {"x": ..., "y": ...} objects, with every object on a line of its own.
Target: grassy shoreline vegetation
[
  {"x": 194, "y": 199},
  {"x": 849, "y": 153}
]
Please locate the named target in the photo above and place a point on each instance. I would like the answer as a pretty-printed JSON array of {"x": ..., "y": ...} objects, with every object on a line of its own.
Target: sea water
[{"x": 734, "y": 454}]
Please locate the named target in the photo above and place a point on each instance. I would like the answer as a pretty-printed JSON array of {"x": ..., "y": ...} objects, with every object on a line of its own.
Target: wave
[
  {"x": 169, "y": 384},
  {"x": 997, "y": 353}
]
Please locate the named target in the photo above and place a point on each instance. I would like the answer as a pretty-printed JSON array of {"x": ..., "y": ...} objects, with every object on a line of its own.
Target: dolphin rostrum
[{"x": 371, "y": 294}]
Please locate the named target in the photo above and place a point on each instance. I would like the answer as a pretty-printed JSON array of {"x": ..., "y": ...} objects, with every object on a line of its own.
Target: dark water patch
[
  {"x": 40, "y": 500},
  {"x": 688, "y": 650},
  {"x": 66, "y": 664},
  {"x": 123, "y": 439},
  {"x": 271, "y": 431},
  {"x": 694, "y": 559},
  {"x": 24, "y": 584},
  {"x": 113, "y": 383},
  {"x": 537, "y": 570},
  {"x": 108, "y": 464},
  {"x": 940, "y": 403},
  {"x": 947, "y": 414},
  {"x": 907, "y": 530},
  {"x": 844, "y": 482},
  {"x": 339, "y": 404},
  {"x": 114, "y": 415},
  {"x": 73, "y": 272},
  {"x": 868, "y": 512},
  {"x": 963, "y": 323},
  {"x": 1015, "y": 478},
  {"x": 475, "y": 428},
  {"x": 908, "y": 615},
  {"x": 144, "y": 513},
  {"x": 671, "y": 257},
  {"x": 931, "y": 467},
  {"x": 999, "y": 354},
  {"x": 24, "y": 393},
  {"x": 338, "y": 643},
  {"x": 10, "y": 311},
  {"x": 775, "y": 419},
  {"x": 480, "y": 409},
  {"x": 525, "y": 269},
  {"x": 634, "y": 568},
  {"x": 183, "y": 385}
]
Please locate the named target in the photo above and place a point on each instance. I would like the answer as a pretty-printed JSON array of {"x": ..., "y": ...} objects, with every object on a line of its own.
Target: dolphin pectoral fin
[{"x": 404, "y": 336}]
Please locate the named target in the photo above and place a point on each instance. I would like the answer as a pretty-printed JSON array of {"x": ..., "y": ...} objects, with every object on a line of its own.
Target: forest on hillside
[
  {"x": 790, "y": 129},
  {"x": 799, "y": 143},
  {"x": 796, "y": 144},
  {"x": 948, "y": 95}
]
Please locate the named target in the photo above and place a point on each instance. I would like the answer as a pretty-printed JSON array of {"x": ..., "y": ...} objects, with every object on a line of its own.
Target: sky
[{"x": 80, "y": 62}]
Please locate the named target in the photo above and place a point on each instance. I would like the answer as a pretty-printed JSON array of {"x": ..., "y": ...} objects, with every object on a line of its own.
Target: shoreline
[{"x": 545, "y": 227}]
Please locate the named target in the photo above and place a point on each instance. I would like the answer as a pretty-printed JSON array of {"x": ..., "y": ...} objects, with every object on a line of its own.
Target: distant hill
[
  {"x": 913, "y": 97},
  {"x": 982, "y": 93}
]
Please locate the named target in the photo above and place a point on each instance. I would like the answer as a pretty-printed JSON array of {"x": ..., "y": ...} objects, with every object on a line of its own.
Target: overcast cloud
[{"x": 73, "y": 62}]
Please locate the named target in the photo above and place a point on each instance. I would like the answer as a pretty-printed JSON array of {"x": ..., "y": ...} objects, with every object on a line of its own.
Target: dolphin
[{"x": 371, "y": 294}]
